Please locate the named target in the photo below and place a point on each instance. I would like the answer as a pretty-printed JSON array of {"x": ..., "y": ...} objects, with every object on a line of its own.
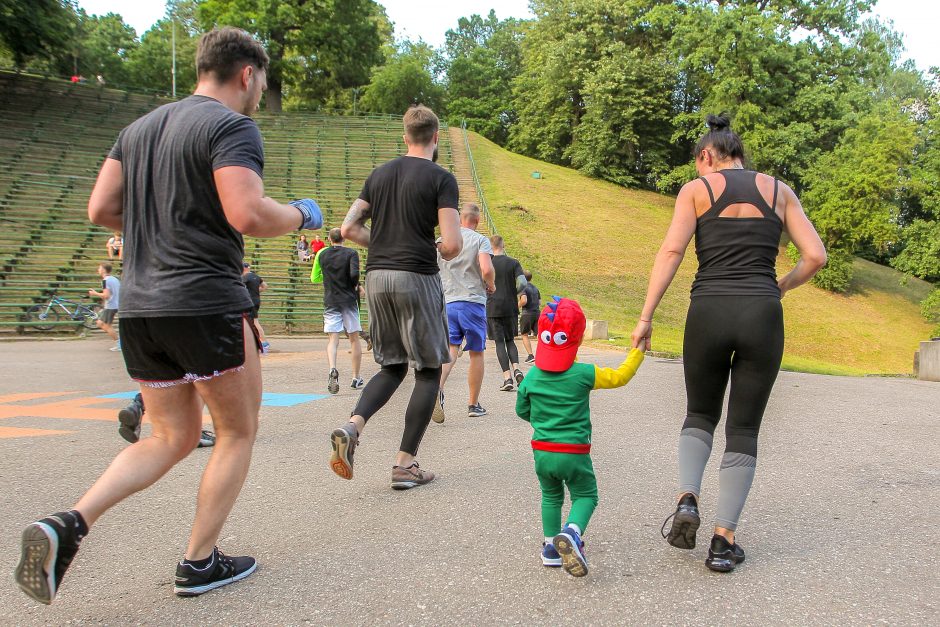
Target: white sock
[
  {"x": 575, "y": 527},
  {"x": 549, "y": 539}
]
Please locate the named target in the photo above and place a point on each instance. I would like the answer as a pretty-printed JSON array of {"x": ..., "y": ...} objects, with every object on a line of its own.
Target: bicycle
[{"x": 51, "y": 312}]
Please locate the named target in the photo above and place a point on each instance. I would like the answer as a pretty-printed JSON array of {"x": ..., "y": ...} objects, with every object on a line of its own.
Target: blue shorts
[{"x": 467, "y": 320}]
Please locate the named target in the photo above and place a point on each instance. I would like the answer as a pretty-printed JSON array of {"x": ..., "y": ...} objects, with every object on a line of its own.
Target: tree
[
  {"x": 404, "y": 80},
  {"x": 316, "y": 48},
  {"x": 35, "y": 28},
  {"x": 105, "y": 45},
  {"x": 151, "y": 65},
  {"x": 482, "y": 58}
]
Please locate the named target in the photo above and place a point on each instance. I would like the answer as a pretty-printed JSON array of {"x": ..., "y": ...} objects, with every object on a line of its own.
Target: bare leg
[
  {"x": 176, "y": 414},
  {"x": 527, "y": 344},
  {"x": 107, "y": 328},
  {"x": 260, "y": 330},
  {"x": 331, "y": 349},
  {"x": 234, "y": 401},
  {"x": 446, "y": 368},
  {"x": 475, "y": 376},
  {"x": 356, "y": 352}
]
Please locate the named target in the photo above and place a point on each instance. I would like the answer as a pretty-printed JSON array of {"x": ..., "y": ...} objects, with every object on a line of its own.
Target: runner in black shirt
[
  {"x": 502, "y": 312},
  {"x": 255, "y": 285},
  {"x": 405, "y": 199},
  {"x": 530, "y": 300},
  {"x": 340, "y": 269},
  {"x": 183, "y": 183}
]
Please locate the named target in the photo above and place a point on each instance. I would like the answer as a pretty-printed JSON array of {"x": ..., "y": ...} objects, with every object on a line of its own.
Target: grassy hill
[{"x": 595, "y": 241}]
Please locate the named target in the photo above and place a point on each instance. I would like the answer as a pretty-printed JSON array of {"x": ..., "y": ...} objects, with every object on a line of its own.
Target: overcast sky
[{"x": 430, "y": 19}]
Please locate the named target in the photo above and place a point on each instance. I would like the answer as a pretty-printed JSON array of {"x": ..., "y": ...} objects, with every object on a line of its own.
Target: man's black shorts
[
  {"x": 504, "y": 327},
  {"x": 161, "y": 352},
  {"x": 107, "y": 315},
  {"x": 529, "y": 323}
]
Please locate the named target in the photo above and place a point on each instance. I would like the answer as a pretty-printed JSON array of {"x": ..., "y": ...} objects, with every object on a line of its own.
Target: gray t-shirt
[
  {"x": 112, "y": 284},
  {"x": 461, "y": 276},
  {"x": 182, "y": 257}
]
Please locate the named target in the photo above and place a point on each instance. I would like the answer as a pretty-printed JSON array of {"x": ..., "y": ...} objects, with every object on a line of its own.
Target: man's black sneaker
[
  {"x": 344, "y": 441},
  {"x": 357, "y": 383},
  {"x": 333, "y": 382},
  {"x": 518, "y": 375},
  {"x": 507, "y": 386},
  {"x": 530, "y": 359},
  {"x": 437, "y": 414},
  {"x": 130, "y": 418},
  {"x": 685, "y": 524},
  {"x": 475, "y": 411},
  {"x": 48, "y": 547},
  {"x": 206, "y": 439},
  {"x": 221, "y": 571},
  {"x": 722, "y": 555}
]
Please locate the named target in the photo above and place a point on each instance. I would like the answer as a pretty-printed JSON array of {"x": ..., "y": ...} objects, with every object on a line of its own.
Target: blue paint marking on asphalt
[{"x": 267, "y": 399}]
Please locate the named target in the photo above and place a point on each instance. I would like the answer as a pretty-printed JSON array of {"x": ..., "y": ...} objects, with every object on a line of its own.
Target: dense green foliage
[{"x": 406, "y": 78}]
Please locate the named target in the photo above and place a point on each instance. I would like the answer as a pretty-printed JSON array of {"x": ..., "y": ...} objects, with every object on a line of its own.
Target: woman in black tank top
[{"x": 734, "y": 328}]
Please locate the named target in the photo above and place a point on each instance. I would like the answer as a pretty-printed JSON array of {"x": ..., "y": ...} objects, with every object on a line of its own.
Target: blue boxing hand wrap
[{"x": 310, "y": 210}]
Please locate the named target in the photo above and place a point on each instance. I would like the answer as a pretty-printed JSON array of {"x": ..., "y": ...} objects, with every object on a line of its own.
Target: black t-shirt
[
  {"x": 505, "y": 300},
  {"x": 405, "y": 194},
  {"x": 340, "y": 267},
  {"x": 182, "y": 257},
  {"x": 253, "y": 283},
  {"x": 533, "y": 299}
]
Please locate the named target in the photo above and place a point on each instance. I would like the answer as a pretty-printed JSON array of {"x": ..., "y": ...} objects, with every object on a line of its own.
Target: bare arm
[
  {"x": 667, "y": 262},
  {"x": 104, "y": 294},
  {"x": 354, "y": 226},
  {"x": 247, "y": 209},
  {"x": 804, "y": 236},
  {"x": 106, "y": 204},
  {"x": 488, "y": 271},
  {"x": 451, "y": 241}
]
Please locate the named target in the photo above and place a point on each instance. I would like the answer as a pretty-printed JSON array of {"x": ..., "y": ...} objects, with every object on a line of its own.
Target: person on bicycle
[{"x": 110, "y": 296}]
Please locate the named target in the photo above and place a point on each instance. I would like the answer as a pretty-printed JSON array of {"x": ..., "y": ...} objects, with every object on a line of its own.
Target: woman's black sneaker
[
  {"x": 507, "y": 386},
  {"x": 221, "y": 571},
  {"x": 685, "y": 524},
  {"x": 48, "y": 547},
  {"x": 130, "y": 418},
  {"x": 722, "y": 555}
]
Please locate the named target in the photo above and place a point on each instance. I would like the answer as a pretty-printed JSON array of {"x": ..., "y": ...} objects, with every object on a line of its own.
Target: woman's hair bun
[{"x": 720, "y": 122}]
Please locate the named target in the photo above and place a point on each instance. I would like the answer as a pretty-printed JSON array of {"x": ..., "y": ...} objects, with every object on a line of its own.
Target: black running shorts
[
  {"x": 161, "y": 352},
  {"x": 529, "y": 323}
]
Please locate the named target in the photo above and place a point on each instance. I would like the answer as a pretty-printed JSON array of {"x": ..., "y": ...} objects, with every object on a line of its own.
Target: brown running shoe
[
  {"x": 410, "y": 477},
  {"x": 344, "y": 441}
]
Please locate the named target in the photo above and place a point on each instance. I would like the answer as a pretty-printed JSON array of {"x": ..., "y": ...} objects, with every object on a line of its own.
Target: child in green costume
[{"x": 555, "y": 398}]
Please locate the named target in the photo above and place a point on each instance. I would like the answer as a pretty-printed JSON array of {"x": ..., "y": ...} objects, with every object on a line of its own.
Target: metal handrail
[{"x": 476, "y": 181}]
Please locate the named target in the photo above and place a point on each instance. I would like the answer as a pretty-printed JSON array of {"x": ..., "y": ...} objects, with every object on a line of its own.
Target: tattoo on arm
[{"x": 359, "y": 212}]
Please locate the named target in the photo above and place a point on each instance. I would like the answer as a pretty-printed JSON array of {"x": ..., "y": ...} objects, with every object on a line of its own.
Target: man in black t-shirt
[
  {"x": 255, "y": 285},
  {"x": 530, "y": 300},
  {"x": 339, "y": 266},
  {"x": 183, "y": 183},
  {"x": 405, "y": 199},
  {"x": 502, "y": 312}
]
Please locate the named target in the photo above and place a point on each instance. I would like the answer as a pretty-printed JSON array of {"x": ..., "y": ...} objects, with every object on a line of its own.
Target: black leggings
[
  {"x": 380, "y": 389},
  {"x": 740, "y": 337},
  {"x": 503, "y": 332}
]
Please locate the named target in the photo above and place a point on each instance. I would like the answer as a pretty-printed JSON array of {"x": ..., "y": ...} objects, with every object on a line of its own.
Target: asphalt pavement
[{"x": 840, "y": 527}]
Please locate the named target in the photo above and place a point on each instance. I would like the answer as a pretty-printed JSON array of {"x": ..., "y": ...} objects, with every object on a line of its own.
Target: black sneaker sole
[
  {"x": 130, "y": 425},
  {"x": 35, "y": 574},
  {"x": 519, "y": 377},
  {"x": 506, "y": 388},
  {"x": 571, "y": 561},
  {"x": 476, "y": 414},
  {"x": 339, "y": 459},
  {"x": 684, "y": 528},
  {"x": 409, "y": 484},
  {"x": 333, "y": 385},
  {"x": 722, "y": 564},
  {"x": 195, "y": 591}
]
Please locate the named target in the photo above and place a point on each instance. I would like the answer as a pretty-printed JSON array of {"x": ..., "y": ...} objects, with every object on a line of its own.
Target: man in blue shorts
[{"x": 467, "y": 279}]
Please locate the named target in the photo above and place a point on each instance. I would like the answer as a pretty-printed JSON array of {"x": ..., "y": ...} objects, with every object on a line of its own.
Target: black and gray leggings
[{"x": 728, "y": 337}]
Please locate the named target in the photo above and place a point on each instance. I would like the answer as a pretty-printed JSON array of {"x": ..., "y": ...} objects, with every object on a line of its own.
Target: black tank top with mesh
[{"x": 737, "y": 256}]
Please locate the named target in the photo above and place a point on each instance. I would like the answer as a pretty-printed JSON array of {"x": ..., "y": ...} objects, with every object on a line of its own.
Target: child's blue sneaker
[
  {"x": 550, "y": 556},
  {"x": 569, "y": 545}
]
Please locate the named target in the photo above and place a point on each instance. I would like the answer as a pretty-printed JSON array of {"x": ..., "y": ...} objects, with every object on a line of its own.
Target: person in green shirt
[{"x": 555, "y": 398}]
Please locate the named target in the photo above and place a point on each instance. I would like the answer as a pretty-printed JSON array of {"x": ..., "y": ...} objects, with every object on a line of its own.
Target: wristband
[{"x": 312, "y": 217}]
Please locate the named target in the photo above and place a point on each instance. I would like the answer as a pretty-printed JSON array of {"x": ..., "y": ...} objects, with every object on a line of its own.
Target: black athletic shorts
[
  {"x": 529, "y": 323},
  {"x": 504, "y": 327},
  {"x": 161, "y": 352},
  {"x": 107, "y": 315}
]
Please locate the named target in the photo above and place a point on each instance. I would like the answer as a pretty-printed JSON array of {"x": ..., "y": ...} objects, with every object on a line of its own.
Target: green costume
[{"x": 557, "y": 404}]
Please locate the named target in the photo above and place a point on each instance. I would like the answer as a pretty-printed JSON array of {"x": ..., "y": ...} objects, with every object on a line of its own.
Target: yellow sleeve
[{"x": 607, "y": 378}]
